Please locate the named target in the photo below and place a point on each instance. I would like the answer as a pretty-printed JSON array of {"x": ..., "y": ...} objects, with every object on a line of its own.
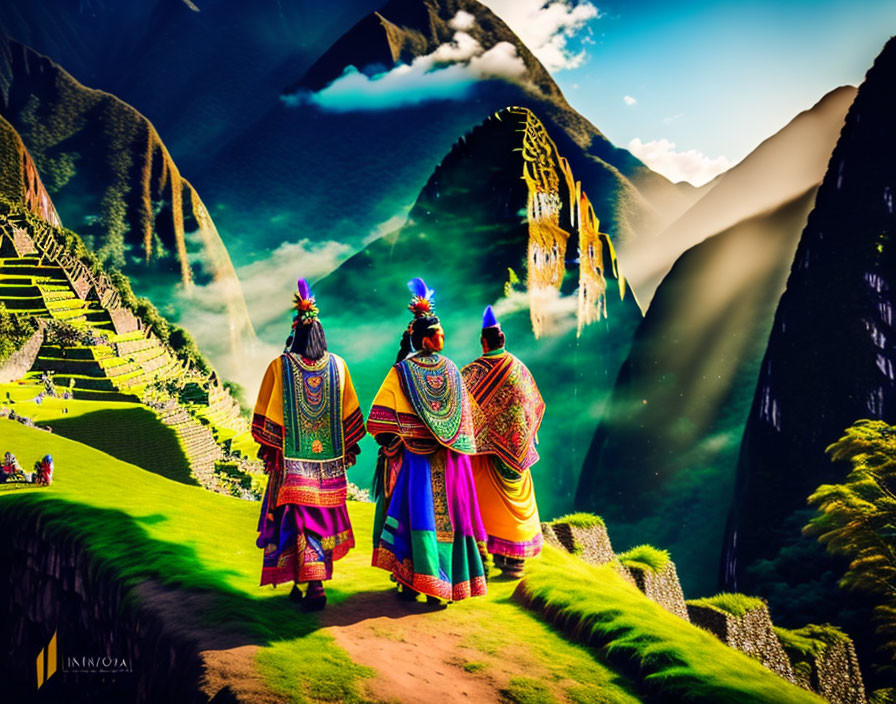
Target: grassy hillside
[
  {"x": 189, "y": 539},
  {"x": 128, "y": 431}
]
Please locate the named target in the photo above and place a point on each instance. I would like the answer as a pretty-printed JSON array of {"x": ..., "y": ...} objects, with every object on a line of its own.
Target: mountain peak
[{"x": 404, "y": 30}]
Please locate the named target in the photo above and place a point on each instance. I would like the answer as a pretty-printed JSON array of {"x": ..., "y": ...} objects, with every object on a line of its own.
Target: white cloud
[
  {"x": 629, "y": 100},
  {"x": 269, "y": 283},
  {"x": 462, "y": 21},
  {"x": 691, "y": 165},
  {"x": 386, "y": 227},
  {"x": 546, "y": 26},
  {"x": 448, "y": 73}
]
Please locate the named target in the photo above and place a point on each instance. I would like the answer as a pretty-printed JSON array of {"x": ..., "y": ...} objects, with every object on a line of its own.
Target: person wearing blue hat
[{"x": 507, "y": 412}]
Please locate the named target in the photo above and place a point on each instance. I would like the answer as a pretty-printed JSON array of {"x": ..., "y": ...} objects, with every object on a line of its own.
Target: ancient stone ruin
[
  {"x": 662, "y": 587},
  {"x": 750, "y": 632},
  {"x": 591, "y": 543},
  {"x": 824, "y": 661},
  {"x": 820, "y": 659}
]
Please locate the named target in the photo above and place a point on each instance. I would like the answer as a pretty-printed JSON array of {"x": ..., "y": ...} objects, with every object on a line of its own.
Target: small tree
[{"x": 858, "y": 518}]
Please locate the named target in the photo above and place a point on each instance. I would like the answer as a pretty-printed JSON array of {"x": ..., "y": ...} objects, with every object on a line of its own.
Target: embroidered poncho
[
  {"x": 422, "y": 399},
  {"x": 308, "y": 413},
  {"x": 507, "y": 408}
]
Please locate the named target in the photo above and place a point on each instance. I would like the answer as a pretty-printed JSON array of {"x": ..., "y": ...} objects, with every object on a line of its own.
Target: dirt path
[{"x": 419, "y": 653}]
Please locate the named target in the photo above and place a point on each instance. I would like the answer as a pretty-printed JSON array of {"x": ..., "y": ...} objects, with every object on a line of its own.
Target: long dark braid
[{"x": 309, "y": 341}]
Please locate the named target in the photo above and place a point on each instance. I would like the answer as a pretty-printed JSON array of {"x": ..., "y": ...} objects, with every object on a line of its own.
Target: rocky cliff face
[
  {"x": 19, "y": 179},
  {"x": 667, "y": 447},
  {"x": 112, "y": 179},
  {"x": 503, "y": 200},
  {"x": 830, "y": 357}
]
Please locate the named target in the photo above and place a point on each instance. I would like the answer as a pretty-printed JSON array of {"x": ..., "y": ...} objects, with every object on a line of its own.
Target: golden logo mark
[{"x": 46, "y": 662}]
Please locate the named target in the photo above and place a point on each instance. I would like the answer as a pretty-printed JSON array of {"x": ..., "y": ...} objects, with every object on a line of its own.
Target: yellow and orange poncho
[{"x": 507, "y": 412}]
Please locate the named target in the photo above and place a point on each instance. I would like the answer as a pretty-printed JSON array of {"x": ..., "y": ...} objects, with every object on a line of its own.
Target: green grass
[
  {"x": 734, "y": 604},
  {"x": 676, "y": 660},
  {"x": 127, "y": 431},
  {"x": 137, "y": 526},
  {"x": 474, "y": 667},
  {"x": 525, "y": 690},
  {"x": 580, "y": 520},
  {"x": 646, "y": 557}
]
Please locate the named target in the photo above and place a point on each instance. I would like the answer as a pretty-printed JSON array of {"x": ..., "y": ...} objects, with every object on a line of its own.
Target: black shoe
[
  {"x": 513, "y": 568},
  {"x": 405, "y": 593},
  {"x": 436, "y": 603},
  {"x": 296, "y": 594},
  {"x": 314, "y": 603}
]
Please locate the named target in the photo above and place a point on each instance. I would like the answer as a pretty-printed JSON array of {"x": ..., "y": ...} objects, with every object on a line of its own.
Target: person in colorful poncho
[
  {"x": 507, "y": 411},
  {"x": 308, "y": 422},
  {"x": 427, "y": 531}
]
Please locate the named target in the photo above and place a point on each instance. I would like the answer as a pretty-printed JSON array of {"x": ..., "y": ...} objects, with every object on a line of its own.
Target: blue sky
[{"x": 717, "y": 77}]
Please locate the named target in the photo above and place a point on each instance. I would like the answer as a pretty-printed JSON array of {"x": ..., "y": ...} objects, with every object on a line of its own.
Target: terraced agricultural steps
[{"x": 98, "y": 349}]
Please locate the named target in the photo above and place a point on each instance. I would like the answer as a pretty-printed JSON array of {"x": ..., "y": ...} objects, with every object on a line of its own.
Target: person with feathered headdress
[
  {"x": 507, "y": 412},
  {"x": 427, "y": 531},
  {"x": 308, "y": 422}
]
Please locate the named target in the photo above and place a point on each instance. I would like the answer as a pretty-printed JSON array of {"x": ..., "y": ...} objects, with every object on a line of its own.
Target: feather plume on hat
[
  {"x": 422, "y": 298},
  {"x": 305, "y": 305}
]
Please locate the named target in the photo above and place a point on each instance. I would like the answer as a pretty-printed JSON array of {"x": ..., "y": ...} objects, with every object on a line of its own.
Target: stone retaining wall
[
  {"x": 751, "y": 633},
  {"x": 21, "y": 361},
  {"x": 53, "y": 589},
  {"x": 836, "y": 675},
  {"x": 591, "y": 544},
  {"x": 664, "y": 588}
]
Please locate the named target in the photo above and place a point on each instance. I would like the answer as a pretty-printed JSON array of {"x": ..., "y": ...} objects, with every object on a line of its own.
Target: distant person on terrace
[
  {"x": 427, "y": 530},
  {"x": 43, "y": 470},
  {"x": 507, "y": 411},
  {"x": 308, "y": 422}
]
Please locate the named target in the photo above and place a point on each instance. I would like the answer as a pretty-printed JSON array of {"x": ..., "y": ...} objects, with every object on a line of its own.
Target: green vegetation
[
  {"x": 137, "y": 526},
  {"x": 131, "y": 433},
  {"x": 474, "y": 667},
  {"x": 580, "y": 520},
  {"x": 886, "y": 695},
  {"x": 734, "y": 604},
  {"x": 856, "y": 518},
  {"x": 646, "y": 557},
  {"x": 128, "y": 431},
  {"x": 525, "y": 690},
  {"x": 677, "y": 661},
  {"x": 175, "y": 337},
  {"x": 15, "y": 330}
]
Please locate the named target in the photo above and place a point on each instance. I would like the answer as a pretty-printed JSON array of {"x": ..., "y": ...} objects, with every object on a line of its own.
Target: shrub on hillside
[{"x": 15, "y": 330}]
